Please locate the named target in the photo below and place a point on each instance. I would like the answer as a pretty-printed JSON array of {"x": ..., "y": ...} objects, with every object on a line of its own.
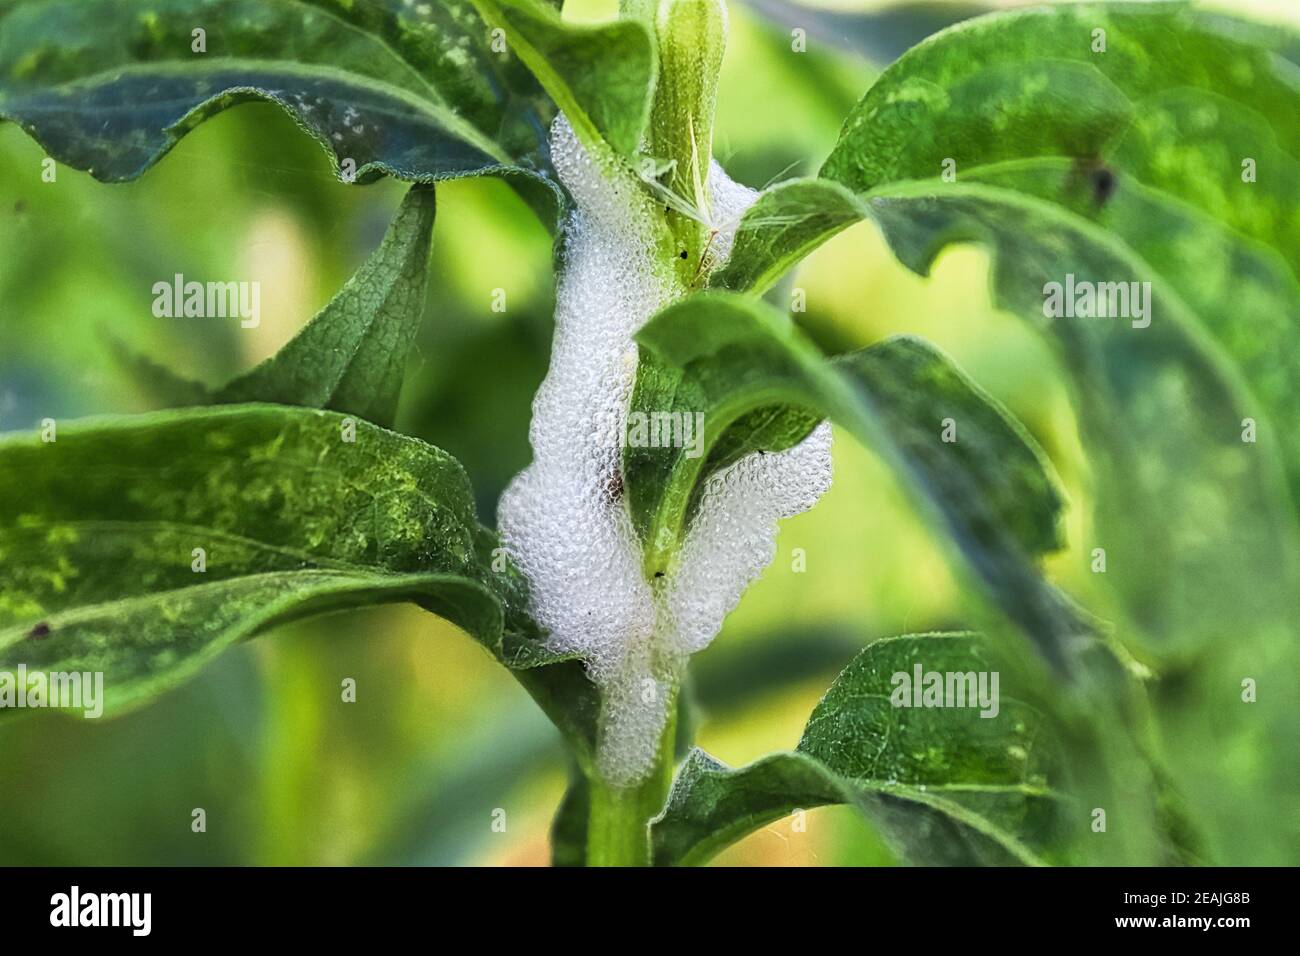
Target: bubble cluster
[
  {"x": 732, "y": 536},
  {"x": 564, "y": 520}
]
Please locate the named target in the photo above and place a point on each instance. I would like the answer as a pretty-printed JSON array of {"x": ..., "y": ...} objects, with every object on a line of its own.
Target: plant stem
[{"x": 618, "y": 818}]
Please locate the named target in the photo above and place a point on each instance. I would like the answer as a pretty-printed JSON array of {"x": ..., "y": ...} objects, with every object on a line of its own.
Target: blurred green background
[{"x": 440, "y": 735}]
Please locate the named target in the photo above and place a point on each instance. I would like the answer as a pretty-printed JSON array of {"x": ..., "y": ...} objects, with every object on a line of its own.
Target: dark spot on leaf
[
  {"x": 659, "y": 574},
  {"x": 683, "y": 254},
  {"x": 39, "y": 633},
  {"x": 1094, "y": 176},
  {"x": 1103, "y": 184},
  {"x": 20, "y": 206}
]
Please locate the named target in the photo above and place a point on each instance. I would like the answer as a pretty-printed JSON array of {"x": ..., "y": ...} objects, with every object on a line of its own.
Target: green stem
[{"x": 617, "y": 833}]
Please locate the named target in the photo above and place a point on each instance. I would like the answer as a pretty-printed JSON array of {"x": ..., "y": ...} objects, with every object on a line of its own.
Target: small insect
[{"x": 39, "y": 633}]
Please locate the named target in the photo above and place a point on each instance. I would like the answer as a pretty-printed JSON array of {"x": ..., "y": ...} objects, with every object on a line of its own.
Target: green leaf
[
  {"x": 1242, "y": 292},
  {"x": 97, "y": 558},
  {"x": 994, "y": 94},
  {"x": 1145, "y": 140},
  {"x": 787, "y": 222},
  {"x": 352, "y": 356},
  {"x": 601, "y": 75},
  {"x": 942, "y": 785},
  {"x": 97, "y": 550},
  {"x": 744, "y": 365},
  {"x": 1161, "y": 413},
  {"x": 1120, "y": 166},
  {"x": 1154, "y": 105},
  {"x": 409, "y": 90}
]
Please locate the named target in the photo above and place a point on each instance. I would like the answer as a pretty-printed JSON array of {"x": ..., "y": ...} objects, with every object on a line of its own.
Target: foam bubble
[
  {"x": 732, "y": 536},
  {"x": 564, "y": 520}
]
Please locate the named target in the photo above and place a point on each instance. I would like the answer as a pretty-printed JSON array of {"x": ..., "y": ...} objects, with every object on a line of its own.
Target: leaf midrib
[{"x": 86, "y": 612}]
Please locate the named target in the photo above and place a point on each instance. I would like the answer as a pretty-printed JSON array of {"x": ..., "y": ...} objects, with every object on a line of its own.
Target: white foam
[
  {"x": 732, "y": 536},
  {"x": 564, "y": 520}
]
